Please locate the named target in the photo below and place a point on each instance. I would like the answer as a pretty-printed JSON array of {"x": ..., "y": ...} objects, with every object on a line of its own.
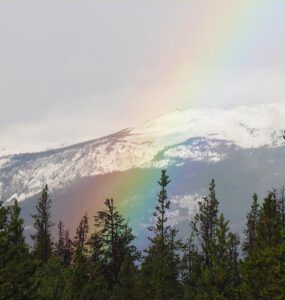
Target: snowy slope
[{"x": 157, "y": 143}]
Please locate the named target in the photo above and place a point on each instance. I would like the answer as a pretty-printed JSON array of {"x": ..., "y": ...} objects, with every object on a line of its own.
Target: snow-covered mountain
[
  {"x": 187, "y": 141},
  {"x": 246, "y": 127}
]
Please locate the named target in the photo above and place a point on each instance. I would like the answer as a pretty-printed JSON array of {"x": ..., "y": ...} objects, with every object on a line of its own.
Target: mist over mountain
[{"x": 241, "y": 147}]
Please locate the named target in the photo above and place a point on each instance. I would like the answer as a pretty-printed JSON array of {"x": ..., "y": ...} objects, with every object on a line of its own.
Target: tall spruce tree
[
  {"x": 269, "y": 225},
  {"x": 67, "y": 250},
  {"x": 42, "y": 225},
  {"x": 63, "y": 246},
  {"x": 59, "y": 245},
  {"x": 3, "y": 232},
  {"x": 221, "y": 279},
  {"x": 263, "y": 274},
  {"x": 80, "y": 265},
  {"x": 125, "y": 287},
  {"x": 114, "y": 238},
  {"x": 160, "y": 267},
  {"x": 250, "y": 231},
  {"x": 262, "y": 271},
  {"x": 226, "y": 265},
  {"x": 98, "y": 284},
  {"x": 204, "y": 224},
  {"x": 3, "y": 216},
  {"x": 17, "y": 268},
  {"x": 191, "y": 268},
  {"x": 281, "y": 205},
  {"x": 161, "y": 229}
]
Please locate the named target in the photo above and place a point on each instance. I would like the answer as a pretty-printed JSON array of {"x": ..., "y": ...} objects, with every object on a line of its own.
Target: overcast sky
[{"x": 76, "y": 70}]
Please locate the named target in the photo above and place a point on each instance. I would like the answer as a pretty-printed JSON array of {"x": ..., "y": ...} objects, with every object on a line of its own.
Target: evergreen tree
[
  {"x": 63, "y": 246},
  {"x": 263, "y": 274},
  {"x": 67, "y": 249},
  {"x": 269, "y": 225},
  {"x": 125, "y": 288},
  {"x": 59, "y": 245},
  {"x": 111, "y": 242},
  {"x": 3, "y": 233},
  {"x": 161, "y": 228},
  {"x": 191, "y": 268},
  {"x": 80, "y": 265},
  {"x": 42, "y": 226},
  {"x": 250, "y": 231},
  {"x": 50, "y": 280},
  {"x": 3, "y": 216},
  {"x": 204, "y": 224},
  {"x": 160, "y": 268},
  {"x": 17, "y": 268},
  {"x": 225, "y": 259},
  {"x": 281, "y": 205},
  {"x": 221, "y": 279}
]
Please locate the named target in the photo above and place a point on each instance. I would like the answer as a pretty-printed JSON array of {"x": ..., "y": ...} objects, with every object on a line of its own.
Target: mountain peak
[{"x": 195, "y": 134}]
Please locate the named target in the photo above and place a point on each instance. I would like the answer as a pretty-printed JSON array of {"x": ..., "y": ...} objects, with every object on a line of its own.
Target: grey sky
[{"x": 75, "y": 70}]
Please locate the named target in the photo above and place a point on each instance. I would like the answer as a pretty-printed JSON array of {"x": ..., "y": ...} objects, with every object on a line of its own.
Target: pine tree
[
  {"x": 59, "y": 245},
  {"x": 263, "y": 274},
  {"x": 205, "y": 221},
  {"x": 114, "y": 238},
  {"x": 67, "y": 249},
  {"x": 3, "y": 216},
  {"x": 3, "y": 233},
  {"x": 160, "y": 268},
  {"x": 17, "y": 267},
  {"x": 262, "y": 271},
  {"x": 281, "y": 205},
  {"x": 221, "y": 279},
  {"x": 269, "y": 225},
  {"x": 250, "y": 231},
  {"x": 42, "y": 225},
  {"x": 80, "y": 267},
  {"x": 160, "y": 228},
  {"x": 125, "y": 288},
  {"x": 63, "y": 246},
  {"x": 225, "y": 260},
  {"x": 50, "y": 280},
  {"x": 191, "y": 268}
]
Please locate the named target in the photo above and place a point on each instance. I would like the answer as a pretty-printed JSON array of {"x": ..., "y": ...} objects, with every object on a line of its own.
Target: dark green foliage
[
  {"x": 251, "y": 226},
  {"x": 160, "y": 268},
  {"x": 79, "y": 274},
  {"x": 161, "y": 228},
  {"x": 204, "y": 224},
  {"x": 191, "y": 268},
  {"x": 213, "y": 266},
  {"x": 42, "y": 226},
  {"x": 263, "y": 274},
  {"x": 64, "y": 246},
  {"x": 225, "y": 261},
  {"x": 281, "y": 206},
  {"x": 111, "y": 242},
  {"x": 269, "y": 225},
  {"x": 50, "y": 280},
  {"x": 125, "y": 288},
  {"x": 106, "y": 264},
  {"x": 263, "y": 270},
  {"x": 17, "y": 267},
  {"x": 3, "y": 234}
]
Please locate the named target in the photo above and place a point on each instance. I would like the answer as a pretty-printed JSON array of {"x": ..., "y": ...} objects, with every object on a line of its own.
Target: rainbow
[
  {"x": 219, "y": 39},
  {"x": 219, "y": 35}
]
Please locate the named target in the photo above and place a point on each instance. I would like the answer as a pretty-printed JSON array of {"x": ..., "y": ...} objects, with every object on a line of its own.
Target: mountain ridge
[{"x": 157, "y": 143}]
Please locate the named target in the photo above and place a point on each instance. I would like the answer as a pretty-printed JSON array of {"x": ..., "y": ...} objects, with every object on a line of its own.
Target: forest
[{"x": 102, "y": 262}]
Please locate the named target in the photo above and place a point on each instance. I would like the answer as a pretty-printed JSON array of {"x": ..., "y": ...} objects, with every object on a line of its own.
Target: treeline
[{"x": 105, "y": 264}]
